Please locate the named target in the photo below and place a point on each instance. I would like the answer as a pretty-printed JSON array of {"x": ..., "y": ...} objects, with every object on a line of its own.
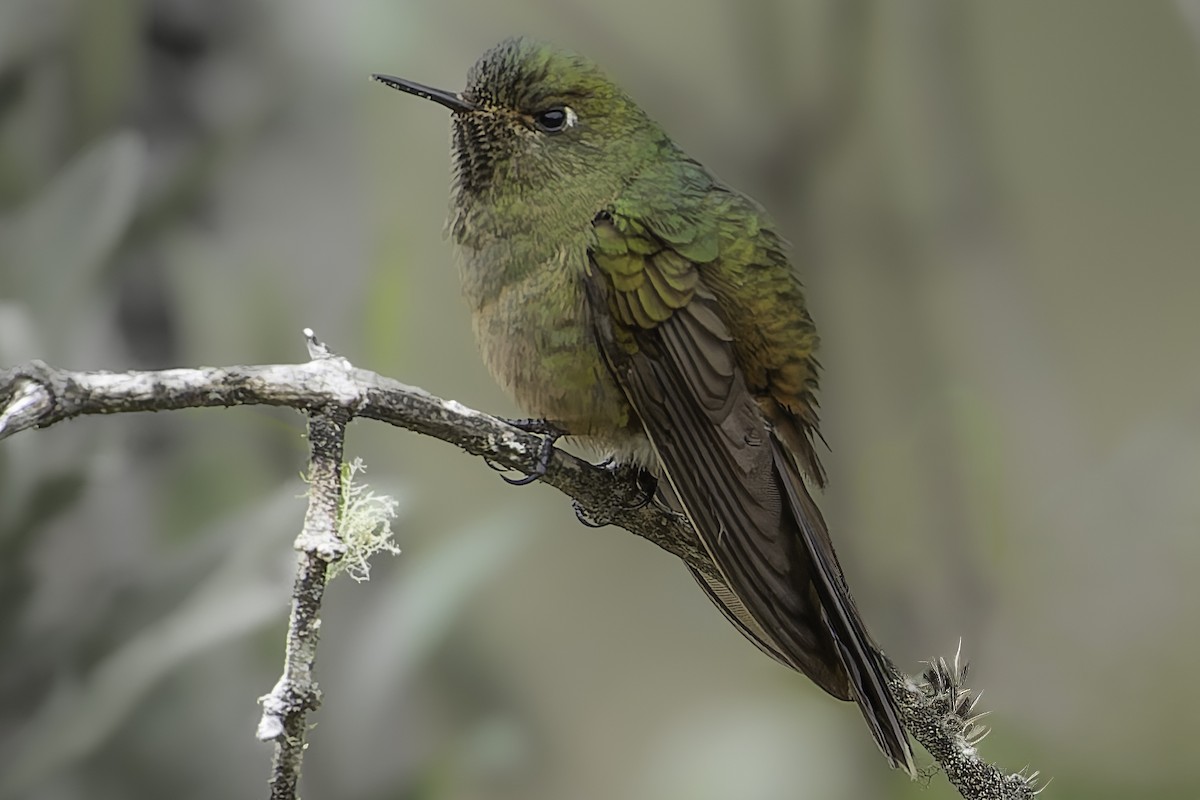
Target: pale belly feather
[{"x": 535, "y": 337}]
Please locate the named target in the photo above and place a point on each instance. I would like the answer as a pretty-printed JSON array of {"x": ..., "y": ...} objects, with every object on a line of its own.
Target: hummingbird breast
[{"x": 534, "y": 332}]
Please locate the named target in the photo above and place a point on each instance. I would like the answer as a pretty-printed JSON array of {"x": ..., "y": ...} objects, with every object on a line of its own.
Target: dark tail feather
[{"x": 865, "y": 665}]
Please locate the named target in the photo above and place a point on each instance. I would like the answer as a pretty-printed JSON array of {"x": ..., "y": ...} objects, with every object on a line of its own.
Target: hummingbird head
[{"x": 540, "y": 131}]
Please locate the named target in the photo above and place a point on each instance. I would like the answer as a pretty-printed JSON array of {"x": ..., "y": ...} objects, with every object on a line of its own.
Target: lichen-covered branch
[
  {"x": 938, "y": 709},
  {"x": 940, "y": 713},
  {"x": 46, "y": 395},
  {"x": 285, "y": 709}
]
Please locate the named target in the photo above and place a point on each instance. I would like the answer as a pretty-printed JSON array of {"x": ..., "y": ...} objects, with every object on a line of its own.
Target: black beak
[{"x": 450, "y": 100}]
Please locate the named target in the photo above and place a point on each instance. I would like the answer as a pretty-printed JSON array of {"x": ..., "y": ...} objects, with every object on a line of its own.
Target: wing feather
[{"x": 674, "y": 356}]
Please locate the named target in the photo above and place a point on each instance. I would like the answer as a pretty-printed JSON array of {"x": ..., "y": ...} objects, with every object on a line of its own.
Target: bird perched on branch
[{"x": 626, "y": 296}]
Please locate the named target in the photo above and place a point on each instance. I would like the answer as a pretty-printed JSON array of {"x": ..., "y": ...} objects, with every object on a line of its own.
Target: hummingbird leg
[
  {"x": 550, "y": 433},
  {"x": 542, "y": 427}
]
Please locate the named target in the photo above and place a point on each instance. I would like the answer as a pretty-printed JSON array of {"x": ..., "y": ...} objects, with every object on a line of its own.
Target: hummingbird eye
[{"x": 555, "y": 119}]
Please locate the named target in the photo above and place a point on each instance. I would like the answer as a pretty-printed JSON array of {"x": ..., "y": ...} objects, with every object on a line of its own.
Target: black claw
[
  {"x": 524, "y": 481},
  {"x": 644, "y": 479},
  {"x": 622, "y": 474},
  {"x": 581, "y": 514},
  {"x": 550, "y": 434},
  {"x": 494, "y": 465},
  {"x": 647, "y": 483}
]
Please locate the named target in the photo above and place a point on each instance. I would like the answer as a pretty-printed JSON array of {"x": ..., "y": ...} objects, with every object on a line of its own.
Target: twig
[
  {"x": 938, "y": 711},
  {"x": 285, "y": 710}
]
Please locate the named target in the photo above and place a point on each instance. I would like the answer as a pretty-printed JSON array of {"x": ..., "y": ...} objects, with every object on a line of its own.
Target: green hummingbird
[{"x": 626, "y": 296}]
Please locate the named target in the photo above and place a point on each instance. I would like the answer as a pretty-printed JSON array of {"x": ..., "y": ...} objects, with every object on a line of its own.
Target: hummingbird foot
[
  {"x": 550, "y": 433},
  {"x": 542, "y": 427},
  {"x": 645, "y": 481}
]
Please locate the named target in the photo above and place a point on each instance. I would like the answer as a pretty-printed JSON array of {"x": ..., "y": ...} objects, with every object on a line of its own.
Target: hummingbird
[{"x": 626, "y": 296}]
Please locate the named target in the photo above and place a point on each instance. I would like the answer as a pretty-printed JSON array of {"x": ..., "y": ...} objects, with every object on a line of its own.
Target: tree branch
[
  {"x": 285, "y": 708},
  {"x": 938, "y": 709}
]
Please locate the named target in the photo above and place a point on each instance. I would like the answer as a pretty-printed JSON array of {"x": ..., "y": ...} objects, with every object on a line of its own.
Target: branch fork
[{"x": 939, "y": 710}]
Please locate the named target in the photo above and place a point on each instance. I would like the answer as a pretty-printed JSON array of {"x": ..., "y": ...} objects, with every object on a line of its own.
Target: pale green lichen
[{"x": 364, "y": 525}]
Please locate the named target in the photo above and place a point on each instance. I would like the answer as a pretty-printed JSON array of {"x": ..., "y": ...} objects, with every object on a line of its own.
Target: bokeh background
[{"x": 996, "y": 207}]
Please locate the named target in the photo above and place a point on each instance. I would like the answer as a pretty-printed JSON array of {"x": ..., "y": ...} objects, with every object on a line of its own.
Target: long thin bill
[{"x": 451, "y": 100}]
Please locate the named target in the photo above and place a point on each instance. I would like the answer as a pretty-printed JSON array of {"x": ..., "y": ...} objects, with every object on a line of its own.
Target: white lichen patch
[
  {"x": 274, "y": 705},
  {"x": 335, "y": 379},
  {"x": 458, "y": 409},
  {"x": 31, "y": 398},
  {"x": 506, "y": 441},
  {"x": 364, "y": 525}
]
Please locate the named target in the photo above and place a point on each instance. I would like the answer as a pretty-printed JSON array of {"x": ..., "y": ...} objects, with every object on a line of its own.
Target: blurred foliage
[{"x": 993, "y": 205}]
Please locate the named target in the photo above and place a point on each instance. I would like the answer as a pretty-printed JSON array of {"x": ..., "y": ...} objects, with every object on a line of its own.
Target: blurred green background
[{"x": 996, "y": 207}]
